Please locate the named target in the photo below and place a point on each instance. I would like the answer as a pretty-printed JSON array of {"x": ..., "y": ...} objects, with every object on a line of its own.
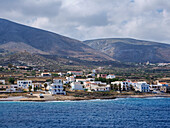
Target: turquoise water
[{"x": 120, "y": 113}]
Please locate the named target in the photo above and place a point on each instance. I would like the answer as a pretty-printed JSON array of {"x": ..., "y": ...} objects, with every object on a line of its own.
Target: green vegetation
[
  {"x": 55, "y": 75},
  {"x": 108, "y": 81},
  {"x": 11, "y": 80},
  {"x": 30, "y": 87},
  {"x": 33, "y": 73},
  {"x": 10, "y": 65},
  {"x": 45, "y": 86}
]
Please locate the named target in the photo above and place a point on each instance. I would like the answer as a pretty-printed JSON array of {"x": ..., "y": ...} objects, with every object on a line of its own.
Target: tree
[
  {"x": 11, "y": 80},
  {"x": 30, "y": 87},
  {"x": 120, "y": 87},
  {"x": 10, "y": 65},
  {"x": 35, "y": 89},
  {"x": 48, "y": 80},
  {"x": 132, "y": 88},
  {"x": 124, "y": 89},
  {"x": 45, "y": 86},
  {"x": 115, "y": 86},
  {"x": 33, "y": 73},
  {"x": 55, "y": 75}
]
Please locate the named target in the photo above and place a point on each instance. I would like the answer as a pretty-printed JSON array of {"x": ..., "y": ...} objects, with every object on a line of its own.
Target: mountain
[
  {"x": 16, "y": 38},
  {"x": 132, "y": 50}
]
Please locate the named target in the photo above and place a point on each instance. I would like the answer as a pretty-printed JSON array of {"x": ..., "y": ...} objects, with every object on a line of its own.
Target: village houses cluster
[{"x": 78, "y": 80}]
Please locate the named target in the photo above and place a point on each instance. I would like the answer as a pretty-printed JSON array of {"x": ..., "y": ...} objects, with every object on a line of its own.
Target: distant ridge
[{"x": 132, "y": 50}]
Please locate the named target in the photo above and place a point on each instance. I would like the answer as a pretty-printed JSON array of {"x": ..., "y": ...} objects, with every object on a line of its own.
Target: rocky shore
[{"x": 48, "y": 97}]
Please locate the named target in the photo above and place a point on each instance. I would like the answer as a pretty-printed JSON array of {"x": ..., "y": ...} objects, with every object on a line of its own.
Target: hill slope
[
  {"x": 15, "y": 38},
  {"x": 132, "y": 50}
]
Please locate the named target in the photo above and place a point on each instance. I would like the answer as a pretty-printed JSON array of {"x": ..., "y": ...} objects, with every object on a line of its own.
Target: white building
[
  {"x": 2, "y": 81},
  {"x": 36, "y": 86},
  {"x": 77, "y": 73},
  {"x": 134, "y": 84},
  {"x": 61, "y": 74},
  {"x": 124, "y": 84},
  {"x": 81, "y": 80},
  {"x": 90, "y": 79},
  {"x": 155, "y": 87},
  {"x": 158, "y": 86},
  {"x": 90, "y": 75},
  {"x": 57, "y": 87},
  {"x": 13, "y": 88},
  {"x": 46, "y": 74},
  {"x": 142, "y": 87},
  {"x": 76, "y": 86},
  {"x": 24, "y": 84},
  {"x": 70, "y": 79},
  {"x": 110, "y": 76},
  {"x": 96, "y": 86}
]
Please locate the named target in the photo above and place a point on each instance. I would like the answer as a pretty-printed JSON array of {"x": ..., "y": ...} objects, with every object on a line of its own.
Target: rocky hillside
[
  {"x": 16, "y": 38},
  {"x": 132, "y": 50}
]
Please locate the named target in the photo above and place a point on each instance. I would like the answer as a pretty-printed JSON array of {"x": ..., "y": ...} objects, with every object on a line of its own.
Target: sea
[{"x": 116, "y": 113}]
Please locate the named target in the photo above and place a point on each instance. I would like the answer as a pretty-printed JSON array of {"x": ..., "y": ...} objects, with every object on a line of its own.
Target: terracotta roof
[
  {"x": 162, "y": 83},
  {"x": 88, "y": 82}
]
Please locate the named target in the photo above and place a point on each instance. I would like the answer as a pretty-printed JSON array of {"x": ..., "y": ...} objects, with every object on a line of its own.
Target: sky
[{"x": 94, "y": 19}]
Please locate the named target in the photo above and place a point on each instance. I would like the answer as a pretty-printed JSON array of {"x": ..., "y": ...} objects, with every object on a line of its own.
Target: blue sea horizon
[{"x": 121, "y": 112}]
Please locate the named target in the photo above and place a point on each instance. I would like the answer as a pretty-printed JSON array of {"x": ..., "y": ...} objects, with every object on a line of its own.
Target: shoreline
[{"x": 70, "y": 98}]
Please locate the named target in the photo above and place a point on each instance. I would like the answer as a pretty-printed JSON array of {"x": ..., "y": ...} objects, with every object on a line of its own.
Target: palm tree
[{"x": 45, "y": 86}]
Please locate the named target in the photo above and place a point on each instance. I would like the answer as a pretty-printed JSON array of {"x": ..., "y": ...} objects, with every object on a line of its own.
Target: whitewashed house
[
  {"x": 45, "y": 74},
  {"x": 90, "y": 79},
  {"x": 81, "y": 80},
  {"x": 76, "y": 86},
  {"x": 61, "y": 74},
  {"x": 142, "y": 87},
  {"x": 13, "y": 88},
  {"x": 57, "y": 87},
  {"x": 2, "y": 81},
  {"x": 124, "y": 84},
  {"x": 162, "y": 84},
  {"x": 134, "y": 84},
  {"x": 37, "y": 86},
  {"x": 24, "y": 84},
  {"x": 90, "y": 75},
  {"x": 96, "y": 86},
  {"x": 70, "y": 79},
  {"x": 110, "y": 76},
  {"x": 155, "y": 87},
  {"x": 77, "y": 73},
  {"x": 158, "y": 86}
]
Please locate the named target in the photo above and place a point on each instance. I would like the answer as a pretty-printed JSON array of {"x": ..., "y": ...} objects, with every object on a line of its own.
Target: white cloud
[
  {"x": 40, "y": 22},
  {"x": 90, "y": 19}
]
